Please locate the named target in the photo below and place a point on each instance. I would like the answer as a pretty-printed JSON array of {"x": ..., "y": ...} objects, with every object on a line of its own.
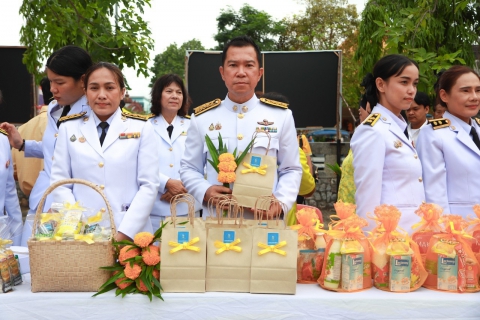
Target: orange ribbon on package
[
  {"x": 272, "y": 248},
  {"x": 227, "y": 246},
  {"x": 184, "y": 246},
  {"x": 260, "y": 170},
  {"x": 351, "y": 238},
  {"x": 430, "y": 214},
  {"x": 308, "y": 223}
]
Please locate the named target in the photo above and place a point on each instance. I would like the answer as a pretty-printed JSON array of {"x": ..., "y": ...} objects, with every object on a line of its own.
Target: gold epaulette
[
  {"x": 477, "y": 120},
  {"x": 207, "y": 106},
  {"x": 125, "y": 110},
  {"x": 187, "y": 116},
  {"x": 274, "y": 103},
  {"x": 372, "y": 119},
  {"x": 150, "y": 116},
  {"x": 137, "y": 116},
  {"x": 439, "y": 123},
  {"x": 72, "y": 116},
  {"x": 3, "y": 132}
]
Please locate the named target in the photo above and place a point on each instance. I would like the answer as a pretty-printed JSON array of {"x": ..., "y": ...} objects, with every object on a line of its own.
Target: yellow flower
[
  {"x": 127, "y": 253},
  {"x": 151, "y": 257},
  {"x": 226, "y": 177},
  {"x": 227, "y": 166},
  {"x": 143, "y": 239},
  {"x": 226, "y": 157},
  {"x": 132, "y": 272}
]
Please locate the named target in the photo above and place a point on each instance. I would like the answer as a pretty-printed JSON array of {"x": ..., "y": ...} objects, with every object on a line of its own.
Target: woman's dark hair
[
  {"x": 241, "y": 41},
  {"x": 386, "y": 67},
  {"x": 113, "y": 69},
  {"x": 447, "y": 80},
  {"x": 70, "y": 61},
  {"x": 47, "y": 94},
  {"x": 157, "y": 90}
]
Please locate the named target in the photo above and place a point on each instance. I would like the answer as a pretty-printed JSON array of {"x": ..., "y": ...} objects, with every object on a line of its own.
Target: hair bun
[{"x": 438, "y": 75}]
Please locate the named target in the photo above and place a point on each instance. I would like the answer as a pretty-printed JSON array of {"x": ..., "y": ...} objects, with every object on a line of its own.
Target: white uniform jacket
[
  {"x": 127, "y": 169},
  {"x": 237, "y": 123},
  {"x": 387, "y": 169},
  {"x": 450, "y": 162},
  {"x": 8, "y": 195},
  {"x": 171, "y": 152},
  {"x": 44, "y": 149}
]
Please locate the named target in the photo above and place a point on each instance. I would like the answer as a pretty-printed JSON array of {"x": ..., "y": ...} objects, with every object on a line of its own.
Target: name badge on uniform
[{"x": 129, "y": 135}]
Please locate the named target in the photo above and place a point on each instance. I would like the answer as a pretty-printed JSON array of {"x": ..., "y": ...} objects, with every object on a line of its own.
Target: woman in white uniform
[
  {"x": 171, "y": 123},
  {"x": 449, "y": 147},
  {"x": 8, "y": 192},
  {"x": 115, "y": 151},
  {"x": 386, "y": 166}
]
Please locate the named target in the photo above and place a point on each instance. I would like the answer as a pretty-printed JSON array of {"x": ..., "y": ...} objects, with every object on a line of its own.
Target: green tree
[
  {"x": 435, "y": 33},
  {"x": 249, "y": 21},
  {"x": 123, "y": 39},
  {"x": 172, "y": 60},
  {"x": 324, "y": 25}
]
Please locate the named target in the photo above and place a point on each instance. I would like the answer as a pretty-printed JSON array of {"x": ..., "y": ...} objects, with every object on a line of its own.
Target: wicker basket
[{"x": 68, "y": 266}]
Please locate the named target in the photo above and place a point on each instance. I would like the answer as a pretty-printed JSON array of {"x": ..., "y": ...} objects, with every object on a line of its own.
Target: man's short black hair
[
  {"x": 241, "y": 41},
  {"x": 421, "y": 98}
]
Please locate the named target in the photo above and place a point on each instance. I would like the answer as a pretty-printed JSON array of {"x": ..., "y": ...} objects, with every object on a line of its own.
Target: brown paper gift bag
[
  {"x": 260, "y": 220},
  {"x": 183, "y": 252},
  {"x": 274, "y": 261},
  {"x": 229, "y": 253},
  {"x": 255, "y": 176}
]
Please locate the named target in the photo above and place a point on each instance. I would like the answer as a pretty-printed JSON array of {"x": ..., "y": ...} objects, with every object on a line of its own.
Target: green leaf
[
  {"x": 213, "y": 165},
  {"x": 212, "y": 150},
  {"x": 104, "y": 289},
  {"x": 244, "y": 153},
  {"x": 335, "y": 168}
]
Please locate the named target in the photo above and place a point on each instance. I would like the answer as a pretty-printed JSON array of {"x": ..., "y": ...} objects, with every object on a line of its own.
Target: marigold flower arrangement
[
  {"x": 137, "y": 269},
  {"x": 224, "y": 162}
]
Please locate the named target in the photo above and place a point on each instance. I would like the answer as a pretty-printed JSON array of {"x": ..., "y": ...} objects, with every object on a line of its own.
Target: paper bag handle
[
  {"x": 268, "y": 201},
  {"x": 182, "y": 198},
  {"x": 254, "y": 136}
]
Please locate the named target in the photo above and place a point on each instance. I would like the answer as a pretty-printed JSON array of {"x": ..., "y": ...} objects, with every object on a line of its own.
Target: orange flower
[
  {"x": 226, "y": 157},
  {"x": 141, "y": 286},
  {"x": 143, "y": 239},
  {"x": 132, "y": 272},
  {"x": 121, "y": 283},
  {"x": 226, "y": 177},
  {"x": 127, "y": 253},
  {"x": 228, "y": 166},
  {"x": 156, "y": 274},
  {"x": 151, "y": 257}
]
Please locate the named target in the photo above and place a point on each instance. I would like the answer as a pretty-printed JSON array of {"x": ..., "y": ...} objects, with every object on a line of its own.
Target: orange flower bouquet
[{"x": 137, "y": 269}]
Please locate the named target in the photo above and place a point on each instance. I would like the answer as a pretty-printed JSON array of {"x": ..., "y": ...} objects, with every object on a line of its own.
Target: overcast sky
[{"x": 170, "y": 21}]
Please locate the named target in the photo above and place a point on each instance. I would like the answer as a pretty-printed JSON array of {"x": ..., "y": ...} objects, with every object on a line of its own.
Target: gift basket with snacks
[
  {"x": 451, "y": 264},
  {"x": 397, "y": 262},
  {"x": 70, "y": 244},
  {"x": 427, "y": 227},
  {"x": 474, "y": 223},
  {"x": 9, "y": 268}
]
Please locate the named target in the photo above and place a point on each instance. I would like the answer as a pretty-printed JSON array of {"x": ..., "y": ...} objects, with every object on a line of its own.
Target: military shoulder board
[
  {"x": 186, "y": 116},
  {"x": 477, "y": 120},
  {"x": 71, "y": 117},
  {"x": 207, "y": 106},
  {"x": 3, "y": 132},
  {"x": 372, "y": 119},
  {"x": 439, "y": 123},
  {"x": 137, "y": 116},
  {"x": 274, "y": 103}
]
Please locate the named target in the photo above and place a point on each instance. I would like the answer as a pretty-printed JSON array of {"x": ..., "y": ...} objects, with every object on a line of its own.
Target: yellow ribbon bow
[
  {"x": 184, "y": 246},
  {"x": 227, "y": 246},
  {"x": 4, "y": 242},
  {"x": 275, "y": 248},
  {"x": 88, "y": 238},
  {"x": 48, "y": 216},
  {"x": 95, "y": 218},
  {"x": 74, "y": 206},
  {"x": 260, "y": 170}
]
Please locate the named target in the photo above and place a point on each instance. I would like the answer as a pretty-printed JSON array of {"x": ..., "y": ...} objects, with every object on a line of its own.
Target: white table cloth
[{"x": 310, "y": 302}]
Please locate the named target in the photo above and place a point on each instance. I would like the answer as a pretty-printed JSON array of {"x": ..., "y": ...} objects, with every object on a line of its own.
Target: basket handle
[{"x": 70, "y": 181}]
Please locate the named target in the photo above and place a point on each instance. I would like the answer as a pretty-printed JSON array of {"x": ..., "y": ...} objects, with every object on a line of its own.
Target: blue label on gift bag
[
  {"x": 228, "y": 236},
  {"x": 272, "y": 238},
  {"x": 183, "y": 236},
  {"x": 255, "y": 161}
]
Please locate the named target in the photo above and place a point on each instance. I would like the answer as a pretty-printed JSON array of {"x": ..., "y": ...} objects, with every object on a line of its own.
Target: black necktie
[
  {"x": 65, "y": 111},
  {"x": 104, "y": 126},
  {"x": 170, "y": 130},
  {"x": 474, "y": 134},
  {"x": 406, "y": 132}
]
